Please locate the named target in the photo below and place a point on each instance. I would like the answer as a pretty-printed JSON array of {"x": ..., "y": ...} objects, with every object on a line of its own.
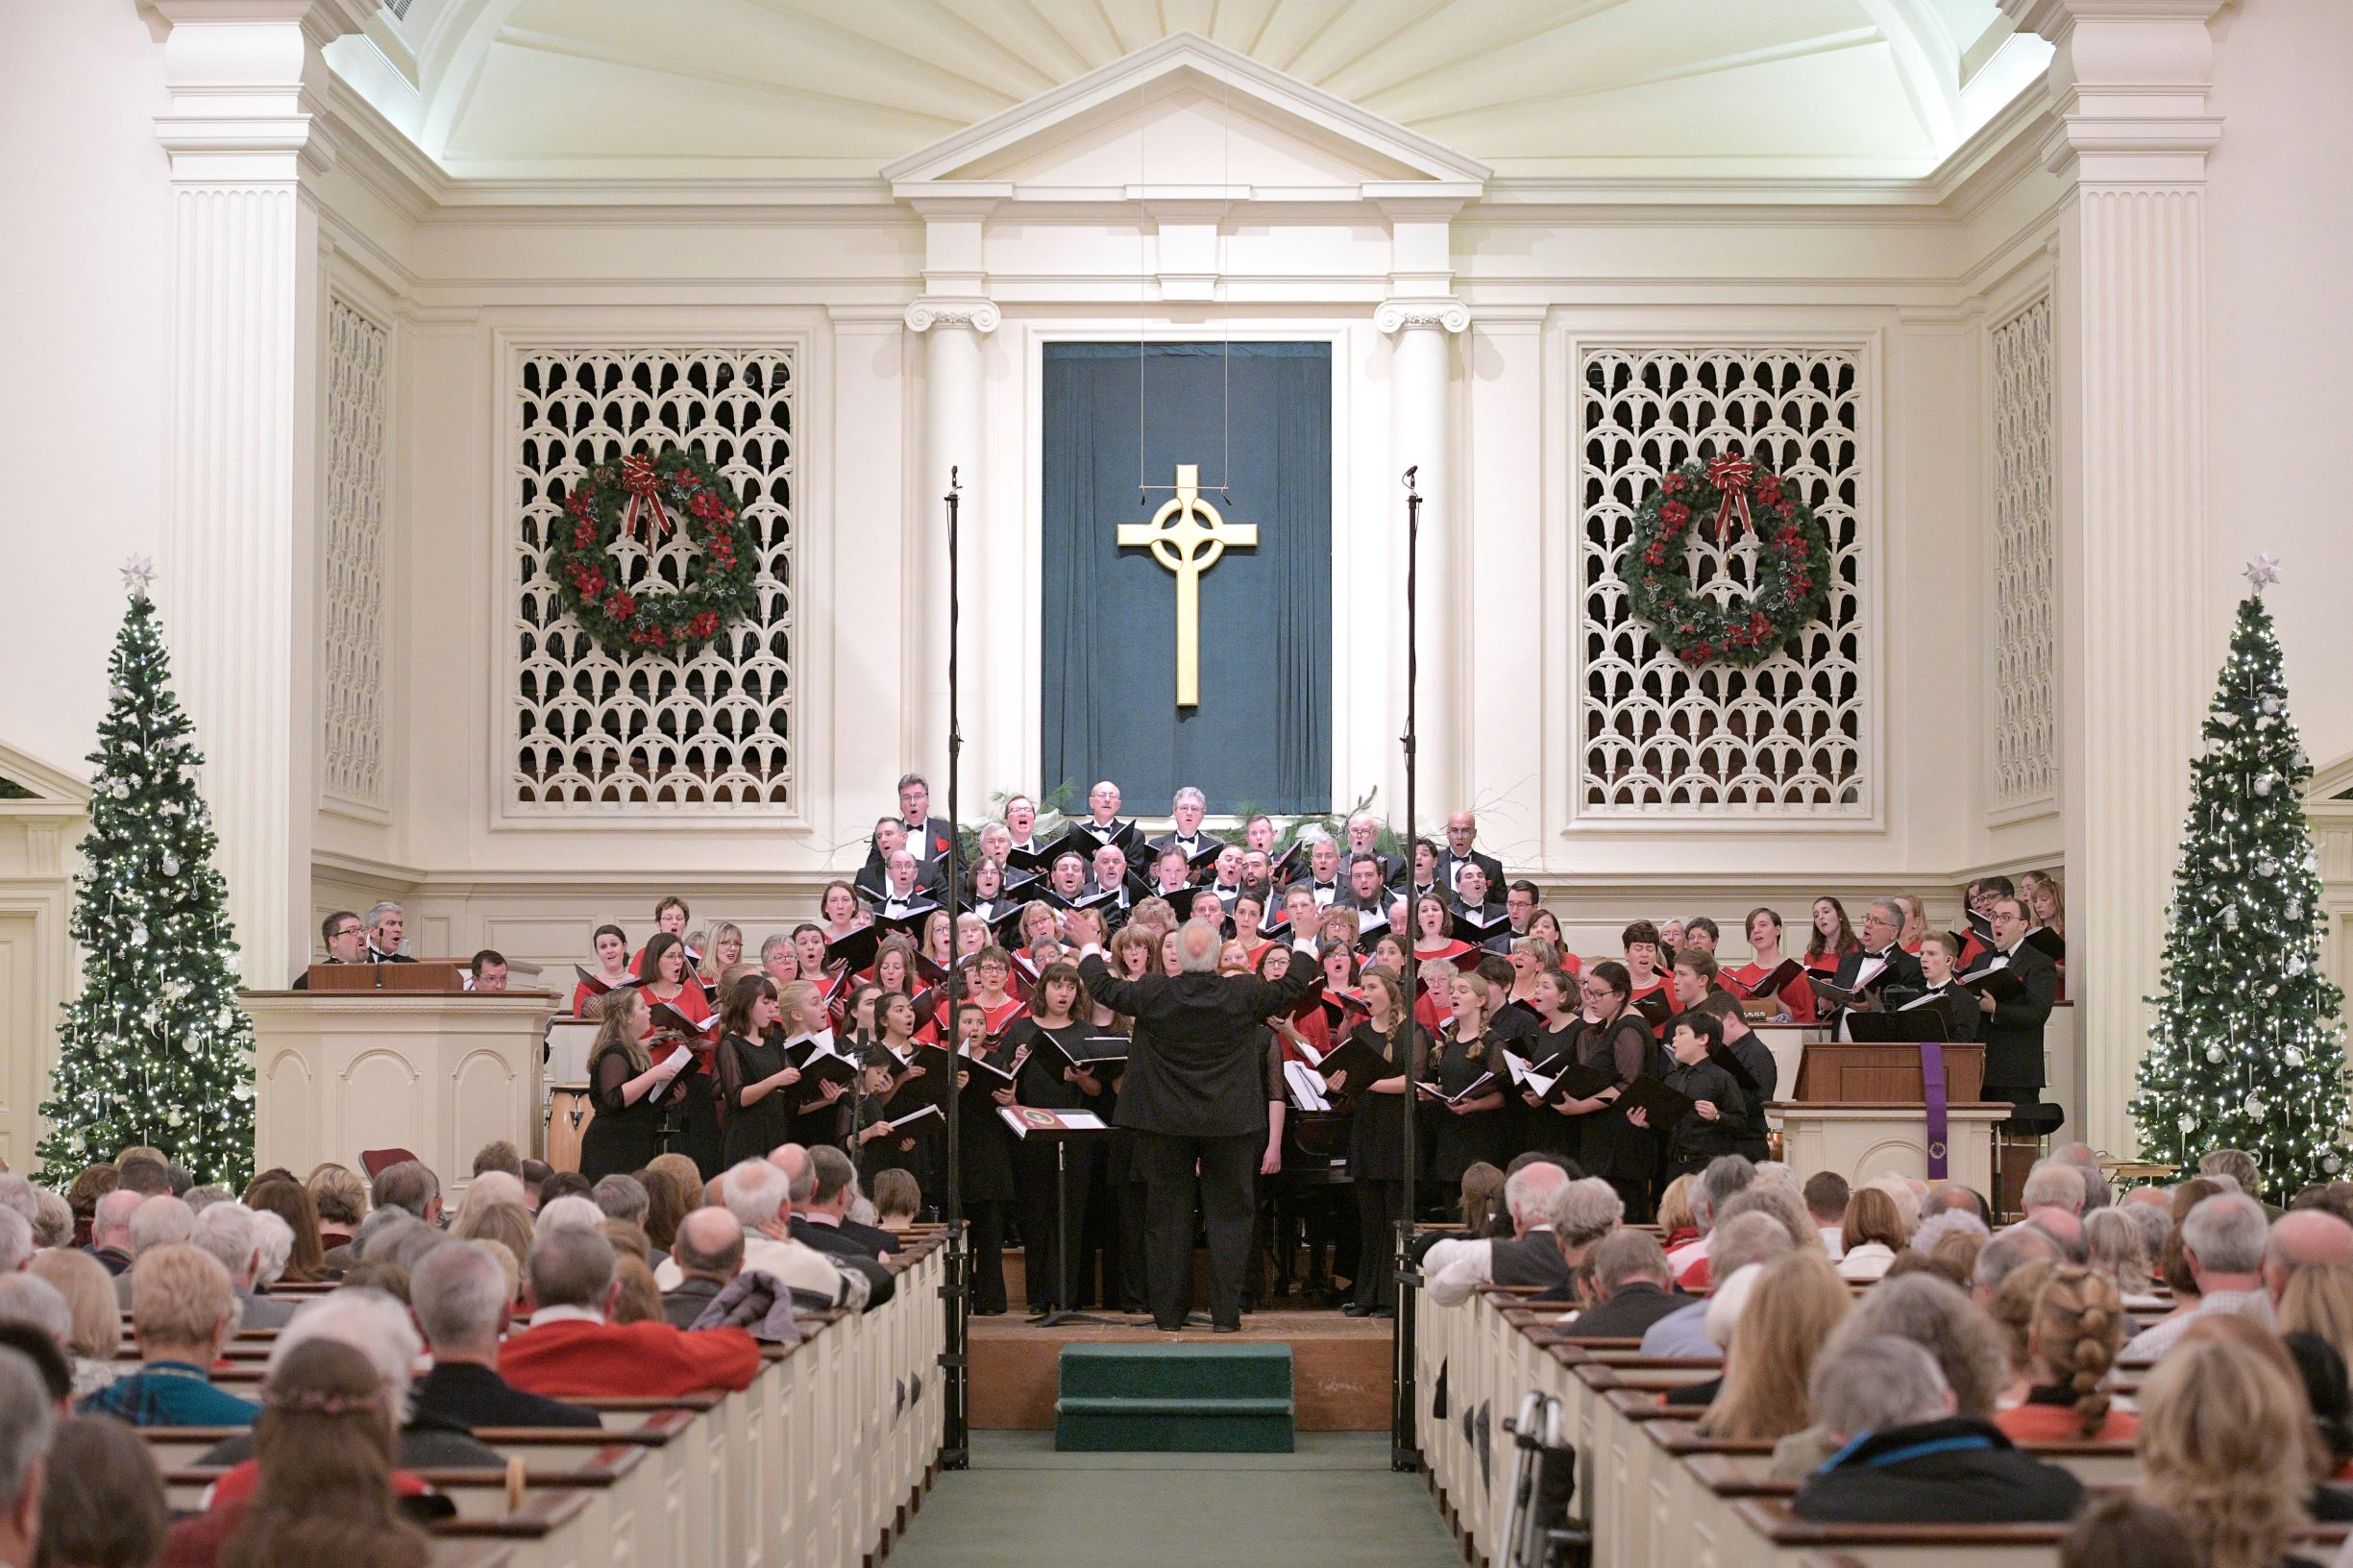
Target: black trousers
[
  {"x": 987, "y": 1219},
  {"x": 1379, "y": 1203},
  {"x": 1228, "y": 1167}
]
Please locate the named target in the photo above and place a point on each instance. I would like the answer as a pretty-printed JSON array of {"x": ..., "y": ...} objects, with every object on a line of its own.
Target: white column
[
  {"x": 954, "y": 435},
  {"x": 1421, "y": 438},
  {"x": 239, "y": 508},
  {"x": 2132, "y": 131}
]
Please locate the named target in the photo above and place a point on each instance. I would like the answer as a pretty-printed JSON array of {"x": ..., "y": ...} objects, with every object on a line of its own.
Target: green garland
[
  {"x": 1793, "y": 562},
  {"x": 647, "y": 497}
]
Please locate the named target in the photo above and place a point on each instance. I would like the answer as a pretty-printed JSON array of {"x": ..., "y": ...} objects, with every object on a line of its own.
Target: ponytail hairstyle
[
  {"x": 2078, "y": 1328},
  {"x": 1395, "y": 989}
]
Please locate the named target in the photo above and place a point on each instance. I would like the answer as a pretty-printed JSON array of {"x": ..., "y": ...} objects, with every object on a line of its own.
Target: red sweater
[{"x": 591, "y": 1360}]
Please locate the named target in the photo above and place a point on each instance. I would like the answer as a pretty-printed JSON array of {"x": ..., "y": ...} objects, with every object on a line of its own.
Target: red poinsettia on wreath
[
  {"x": 1793, "y": 562},
  {"x": 650, "y": 499}
]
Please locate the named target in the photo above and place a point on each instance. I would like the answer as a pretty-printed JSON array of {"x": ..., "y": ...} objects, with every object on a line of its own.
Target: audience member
[
  {"x": 102, "y": 1506},
  {"x": 341, "y": 1200},
  {"x": 487, "y": 1189},
  {"x": 1457, "y": 1267},
  {"x": 2238, "y": 1166},
  {"x": 636, "y": 1298},
  {"x": 281, "y": 1196},
  {"x": 2085, "y": 1161},
  {"x": 571, "y": 1349},
  {"x": 824, "y": 1221},
  {"x": 510, "y": 1224},
  {"x": 666, "y": 1203},
  {"x": 708, "y": 1254},
  {"x": 758, "y": 1194},
  {"x": 463, "y": 1303},
  {"x": 96, "y": 1332},
  {"x": 160, "y": 1221},
  {"x": 2116, "y": 1244},
  {"x": 110, "y": 1229},
  {"x": 1907, "y": 1456},
  {"x": 410, "y": 1186},
  {"x": 1793, "y": 1307},
  {"x": 226, "y": 1230},
  {"x": 327, "y": 1437},
  {"x": 2223, "y": 1436},
  {"x": 2012, "y": 1249},
  {"x": 2073, "y": 1335},
  {"x": 897, "y": 1200},
  {"x": 2222, "y": 1242},
  {"x": 184, "y": 1308},
  {"x": 1870, "y": 1236},
  {"x": 2123, "y": 1531},
  {"x": 1632, "y": 1288},
  {"x": 1724, "y": 1177},
  {"x": 2012, "y": 1310},
  {"x": 1754, "y": 1238},
  {"x": 2319, "y": 1301},
  {"x": 2302, "y": 1240},
  {"x": 27, "y": 1429},
  {"x": 53, "y": 1225},
  {"x": 500, "y": 1156},
  {"x": 1826, "y": 1196}
]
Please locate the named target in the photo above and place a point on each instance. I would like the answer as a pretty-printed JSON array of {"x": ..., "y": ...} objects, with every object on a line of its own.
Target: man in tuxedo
[
  {"x": 873, "y": 879},
  {"x": 1110, "y": 875},
  {"x": 1323, "y": 878},
  {"x": 1067, "y": 881},
  {"x": 1426, "y": 880},
  {"x": 1364, "y": 892},
  {"x": 1102, "y": 822},
  {"x": 927, "y": 836},
  {"x": 1520, "y": 904},
  {"x": 1937, "y": 963},
  {"x": 1461, "y": 835},
  {"x": 384, "y": 927},
  {"x": 1195, "y": 1095},
  {"x": 1172, "y": 876},
  {"x": 1880, "y": 962},
  {"x": 1226, "y": 877},
  {"x": 1364, "y": 838},
  {"x": 1021, "y": 825},
  {"x": 2013, "y": 1030},
  {"x": 1189, "y": 808},
  {"x": 903, "y": 893},
  {"x": 1257, "y": 877},
  {"x": 346, "y": 940}
]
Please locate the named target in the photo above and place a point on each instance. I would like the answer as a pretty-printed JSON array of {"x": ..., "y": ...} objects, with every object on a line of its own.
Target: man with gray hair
[
  {"x": 1187, "y": 810},
  {"x": 622, "y": 1198},
  {"x": 573, "y": 1350},
  {"x": 385, "y": 925},
  {"x": 1879, "y": 964},
  {"x": 110, "y": 1229},
  {"x": 161, "y": 1221},
  {"x": 410, "y": 1184},
  {"x": 458, "y": 1296},
  {"x": 26, "y": 1427},
  {"x": 1457, "y": 1267},
  {"x": 2086, "y": 1161},
  {"x": 1633, "y": 1289},
  {"x": 16, "y": 1240},
  {"x": 380, "y": 1328},
  {"x": 1742, "y": 1239},
  {"x": 759, "y": 1197},
  {"x": 1907, "y": 1457},
  {"x": 227, "y": 1231},
  {"x": 30, "y": 1299},
  {"x": 2222, "y": 1242},
  {"x": 1195, "y": 1098},
  {"x": 2053, "y": 1184},
  {"x": 2005, "y": 1254},
  {"x": 19, "y": 1194}
]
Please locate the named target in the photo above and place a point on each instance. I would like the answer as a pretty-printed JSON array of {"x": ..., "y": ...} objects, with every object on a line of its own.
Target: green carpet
[{"x": 1333, "y": 1501}]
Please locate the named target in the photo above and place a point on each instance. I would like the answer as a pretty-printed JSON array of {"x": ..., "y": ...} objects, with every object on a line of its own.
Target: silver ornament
[
  {"x": 2332, "y": 1162},
  {"x": 2213, "y": 1053},
  {"x": 2270, "y": 703},
  {"x": 2254, "y": 1105},
  {"x": 2263, "y": 784},
  {"x": 2188, "y": 1121},
  {"x": 171, "y": 865},
  {"x": 2295, "y": 1056}
]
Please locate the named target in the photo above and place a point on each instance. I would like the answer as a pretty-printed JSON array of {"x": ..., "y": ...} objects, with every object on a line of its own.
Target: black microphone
[{"x": 1410, "y": 472}]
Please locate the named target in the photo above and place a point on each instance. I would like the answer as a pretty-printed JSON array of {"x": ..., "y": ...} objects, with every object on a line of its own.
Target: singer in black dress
[
  {"x": 628, "y": 1090},
  {"x": 755, "y": 1077}
]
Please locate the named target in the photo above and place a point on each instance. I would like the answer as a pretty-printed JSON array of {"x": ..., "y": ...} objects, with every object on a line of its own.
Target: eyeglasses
[{"x": 345, "y": 931}]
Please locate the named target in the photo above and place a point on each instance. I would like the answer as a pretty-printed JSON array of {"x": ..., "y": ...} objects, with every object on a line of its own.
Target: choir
[{"x": 1451, "y": 1000}]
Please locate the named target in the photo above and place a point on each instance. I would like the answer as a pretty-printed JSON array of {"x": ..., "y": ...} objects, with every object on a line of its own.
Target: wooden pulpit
[
  {"x": 1859, "y": 1108},
  {"x": 1841, "y": 1072}
]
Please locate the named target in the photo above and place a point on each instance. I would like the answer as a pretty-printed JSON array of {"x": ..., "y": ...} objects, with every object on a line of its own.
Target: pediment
[
  {"x": 1185, "y": 117},
  {"x": 27, "y": 783}
]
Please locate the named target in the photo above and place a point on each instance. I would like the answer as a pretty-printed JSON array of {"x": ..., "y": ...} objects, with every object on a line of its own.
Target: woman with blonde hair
[
  {"x": 2072, "y": 1334},
  {"x": 2012, "y": 1310},
  {"x": 2117, "y": 1248},
  {"x": 2319, "y": 1301},
  {"x": 1676, "y": 1217},
  {"x": 1791, "y": 1310},
  {"x": 97, "y": 1334},
  {"x": 2226, "y": 1443},
  {"x": 509, "y": 1223}
]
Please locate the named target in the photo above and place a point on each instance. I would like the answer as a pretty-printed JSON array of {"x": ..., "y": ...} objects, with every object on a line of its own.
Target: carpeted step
[{"x": 1166, "y": 1399}]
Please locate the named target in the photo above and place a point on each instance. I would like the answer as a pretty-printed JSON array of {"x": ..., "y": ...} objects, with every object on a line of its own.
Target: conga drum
[{"x": 569, "y": 1114}]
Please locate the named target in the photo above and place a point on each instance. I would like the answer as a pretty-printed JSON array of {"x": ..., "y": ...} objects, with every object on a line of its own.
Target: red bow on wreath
[
  {"x": 644, "y": 488},
  {"x": 1731, "y": 474}
]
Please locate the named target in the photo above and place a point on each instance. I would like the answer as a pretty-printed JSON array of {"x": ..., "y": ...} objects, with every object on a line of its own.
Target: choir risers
[{"x": 437, "y": 1073}]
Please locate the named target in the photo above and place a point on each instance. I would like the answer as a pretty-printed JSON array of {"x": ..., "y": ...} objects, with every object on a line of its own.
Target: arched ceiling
[{"x": 1721, "y": 88}]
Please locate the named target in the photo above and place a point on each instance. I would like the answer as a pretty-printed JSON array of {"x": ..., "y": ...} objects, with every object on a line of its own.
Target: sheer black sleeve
[{"x": 606, "y": 1076}]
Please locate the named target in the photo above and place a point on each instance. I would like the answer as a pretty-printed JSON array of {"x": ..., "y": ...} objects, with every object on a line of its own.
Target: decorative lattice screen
[
  {"x": 354, "y": 561},
  {"x": 1660, "y": 739},
  {"x": 2025, "y": 565},
  {"x": 593, "y": 734}
]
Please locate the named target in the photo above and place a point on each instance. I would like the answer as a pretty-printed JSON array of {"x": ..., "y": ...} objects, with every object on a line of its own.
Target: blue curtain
[{"x": 1119, "y": 415}]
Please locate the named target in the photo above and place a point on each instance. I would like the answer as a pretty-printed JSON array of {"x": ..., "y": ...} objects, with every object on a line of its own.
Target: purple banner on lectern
[{"x": 1932, "y": 1089}]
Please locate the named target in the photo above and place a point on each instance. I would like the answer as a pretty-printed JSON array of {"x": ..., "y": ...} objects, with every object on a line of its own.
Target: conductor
[{"x": 1196, "y": 1093}]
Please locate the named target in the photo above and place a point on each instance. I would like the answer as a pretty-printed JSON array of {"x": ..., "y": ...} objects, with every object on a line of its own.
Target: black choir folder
[{"x": 1662, "y": 1106}]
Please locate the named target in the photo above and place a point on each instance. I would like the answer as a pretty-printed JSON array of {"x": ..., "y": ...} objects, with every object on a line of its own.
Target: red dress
[
  {"x": 1797, "y": 996},
  {"x": 1451, "y": 953},
  {"x": 1652, "y": 988}
]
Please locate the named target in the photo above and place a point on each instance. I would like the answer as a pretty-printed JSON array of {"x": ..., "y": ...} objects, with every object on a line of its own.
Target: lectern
[{"x": 1862, "y": 1108}]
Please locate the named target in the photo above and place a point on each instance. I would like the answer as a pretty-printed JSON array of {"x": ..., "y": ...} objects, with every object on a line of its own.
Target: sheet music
[
  {"x": 1306, "y": 1086},
  {"x": 1867, "y": 971}
]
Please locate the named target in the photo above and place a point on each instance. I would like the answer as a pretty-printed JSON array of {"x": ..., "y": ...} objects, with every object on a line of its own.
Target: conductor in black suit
[
  {"x": 1195, "y": 1090},
  {"x": 2013, "y": 1030}
]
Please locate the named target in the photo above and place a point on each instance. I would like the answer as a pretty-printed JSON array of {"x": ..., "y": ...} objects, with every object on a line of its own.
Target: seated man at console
[{"x": 346, "y": 941}]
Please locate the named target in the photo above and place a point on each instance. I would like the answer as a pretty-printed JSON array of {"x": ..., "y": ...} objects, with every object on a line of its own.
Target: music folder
[
  {"x": 1662, "y": 1106},
  {"x": 928, "y": 1120},
  {"x": 1768, "y": 984},
  {"x": 1575, "y": 1081},
  {"x": 1996, "y": 980},
  {"x": 1471, "y": 1090},
  {"x": 1025, "y": 1120}
]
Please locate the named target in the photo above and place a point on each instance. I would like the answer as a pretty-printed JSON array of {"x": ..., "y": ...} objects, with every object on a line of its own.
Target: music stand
[
  {"x": 1921, "y": 1025},
  {"x": 1061, "y": 1136}
]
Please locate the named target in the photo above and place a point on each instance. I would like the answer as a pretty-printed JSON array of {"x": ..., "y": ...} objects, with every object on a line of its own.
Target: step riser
[
  {"x": 1181, "y": 1435},
  {"x": 1166, "y": 1399}
]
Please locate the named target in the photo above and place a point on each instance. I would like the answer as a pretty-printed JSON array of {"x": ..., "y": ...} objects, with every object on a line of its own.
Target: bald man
[
  {"x": 1196, "y": 1094},
  {"x": 2300, "y": 1238}
]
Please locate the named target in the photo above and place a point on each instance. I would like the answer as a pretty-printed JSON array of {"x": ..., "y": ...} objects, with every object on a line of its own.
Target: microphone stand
[
  {"x": 1403, "y": 1453},
  {"x": 956, "y": 1438}
]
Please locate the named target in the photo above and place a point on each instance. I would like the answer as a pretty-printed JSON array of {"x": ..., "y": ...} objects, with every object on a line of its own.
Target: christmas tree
[
  {"x": 155, "y": 1049},
  {"x": 2247, "y": 1052}
]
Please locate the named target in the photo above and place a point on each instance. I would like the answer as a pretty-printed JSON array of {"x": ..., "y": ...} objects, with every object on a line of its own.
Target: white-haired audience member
[{"x": 1456, "y": 1267}]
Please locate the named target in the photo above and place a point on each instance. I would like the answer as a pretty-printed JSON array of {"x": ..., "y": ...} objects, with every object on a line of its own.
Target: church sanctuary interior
[{"x": 1529, "y": 783}]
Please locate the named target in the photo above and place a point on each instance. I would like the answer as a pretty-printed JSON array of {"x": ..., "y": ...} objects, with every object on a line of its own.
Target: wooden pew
[{"x": 1777, "y": 1538}]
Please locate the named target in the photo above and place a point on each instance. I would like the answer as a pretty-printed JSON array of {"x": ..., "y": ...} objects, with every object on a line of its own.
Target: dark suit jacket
[
  {"x": 1448, "y": 865},
  {"x": 682, "y": 1306},
  {"x": 1197, "y": 1068},
  {"x": 1902, "y": 969},
  {"x": 1630, "y": 1313},
  {"x": 829, "y": 1238},
  {"x": 873, "y": 1238},
  {"x": 931, "y": 843},
  {"x": 2013, "y": 1032},
  {"x": 465, "y": 1395},
  {"x": 1201, "y": 842},
  {"x": 1533, "y": 1258}
]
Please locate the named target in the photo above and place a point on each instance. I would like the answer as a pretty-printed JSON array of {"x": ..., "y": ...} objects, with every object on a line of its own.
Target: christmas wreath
[
  {"x": 647, "y": 500},
  {"x": 1793, "y": 562}
]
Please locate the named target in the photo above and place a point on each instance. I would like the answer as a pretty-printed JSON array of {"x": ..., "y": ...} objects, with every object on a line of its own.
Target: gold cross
[{"x": 1180, "y": 548}]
